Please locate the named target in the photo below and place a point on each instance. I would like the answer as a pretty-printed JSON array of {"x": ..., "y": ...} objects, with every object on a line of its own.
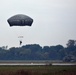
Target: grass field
[{"x": 37, "y": 70}]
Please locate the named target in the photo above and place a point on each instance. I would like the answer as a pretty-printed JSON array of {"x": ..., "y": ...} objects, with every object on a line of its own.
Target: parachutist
[{"x": 20, "y": 42}]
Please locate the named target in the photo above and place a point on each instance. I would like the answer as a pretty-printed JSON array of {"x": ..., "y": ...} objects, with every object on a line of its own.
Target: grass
[{"x": 37, "y": 70}]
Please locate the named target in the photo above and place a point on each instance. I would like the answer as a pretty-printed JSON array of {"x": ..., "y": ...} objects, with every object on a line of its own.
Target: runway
[{"x": 34, "y": 63}]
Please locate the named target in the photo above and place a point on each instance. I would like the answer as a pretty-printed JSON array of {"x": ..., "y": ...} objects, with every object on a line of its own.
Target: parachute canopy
[{"x": 20, "y": 20}]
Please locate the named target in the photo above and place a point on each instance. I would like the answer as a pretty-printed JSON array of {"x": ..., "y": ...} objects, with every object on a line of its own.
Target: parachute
[{"x": 20, "y": 20}]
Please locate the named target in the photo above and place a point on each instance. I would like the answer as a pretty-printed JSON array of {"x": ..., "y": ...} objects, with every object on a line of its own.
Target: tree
[
  {"x": 69, "y": 58},
  {"x": 71, "y": 43},
  {"x": 46, "y": 48}
]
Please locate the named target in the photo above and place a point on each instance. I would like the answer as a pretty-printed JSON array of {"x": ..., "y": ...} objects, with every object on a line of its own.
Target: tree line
[{"x": 36, "y": 52}]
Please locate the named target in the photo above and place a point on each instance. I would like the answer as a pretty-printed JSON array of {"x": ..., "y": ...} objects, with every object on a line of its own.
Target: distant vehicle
[{"x": 20, "y": 20}]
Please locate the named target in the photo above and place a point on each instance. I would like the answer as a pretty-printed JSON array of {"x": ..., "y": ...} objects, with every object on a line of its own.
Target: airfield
[{"x": 37, "y": 68}]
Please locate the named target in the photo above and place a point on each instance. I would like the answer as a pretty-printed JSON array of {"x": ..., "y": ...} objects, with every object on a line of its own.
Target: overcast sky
[{"x": 54, "y": 22}]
